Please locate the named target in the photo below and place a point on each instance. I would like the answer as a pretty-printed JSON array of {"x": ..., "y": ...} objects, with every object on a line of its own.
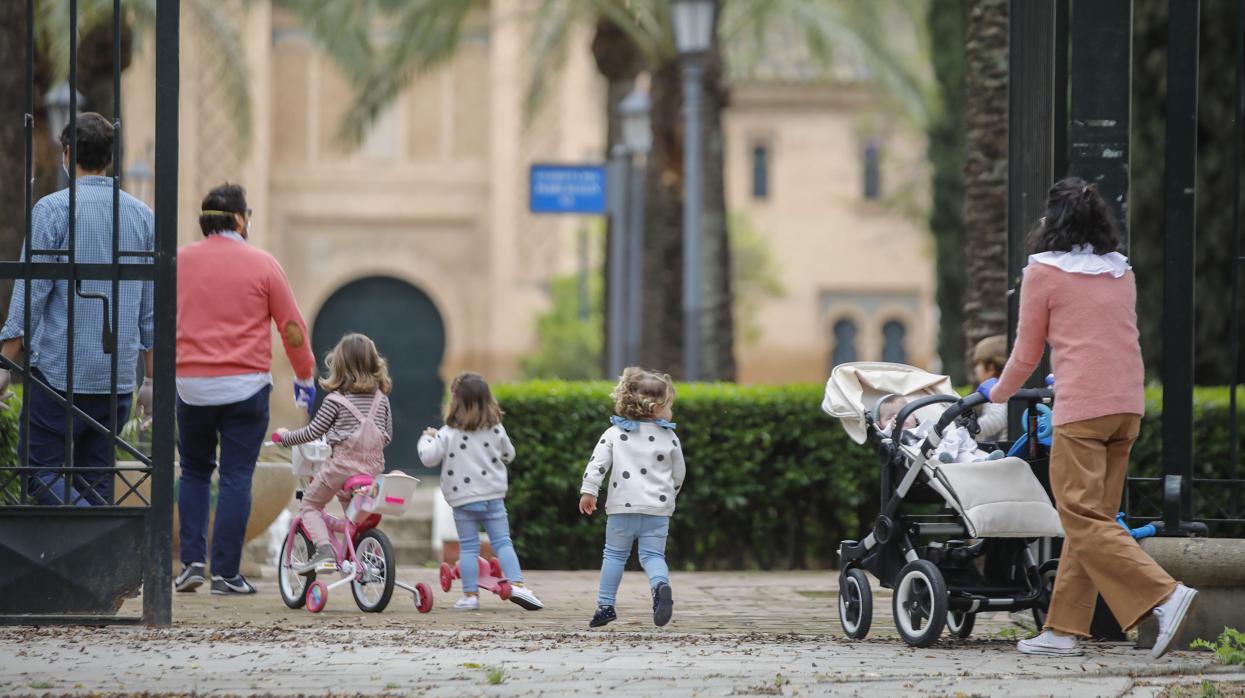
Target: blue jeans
[
  {"x": 91, "y": 449},
  {"x": 239, "y": 429},
  {"x": 623, "y": 530},
  {"x": 492, "y": 515}
]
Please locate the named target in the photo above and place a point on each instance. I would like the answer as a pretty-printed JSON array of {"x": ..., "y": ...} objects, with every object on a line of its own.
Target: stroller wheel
[
  {"x": 855, "y": 603},
  {"x": 920, "y": 603},
  {"x": 1046, "y": 573},
  {"x": 960, "y": 624}
]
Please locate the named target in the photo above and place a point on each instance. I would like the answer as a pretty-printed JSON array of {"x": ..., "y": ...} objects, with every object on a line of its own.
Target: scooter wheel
[
  {"x": 317, "y": 596},
  {"x": 494, "y": 566},
  {"x": 424, "y": 598},
  {"x": 503, "y": 591},
  {"x": 447, "y": 576}
]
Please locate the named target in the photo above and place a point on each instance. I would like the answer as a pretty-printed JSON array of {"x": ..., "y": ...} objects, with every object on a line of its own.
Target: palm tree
[{"x": 631, "y": 36}]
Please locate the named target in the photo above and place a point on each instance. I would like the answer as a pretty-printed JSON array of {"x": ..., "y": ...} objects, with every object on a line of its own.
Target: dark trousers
[
  {"x": 91, "y": 449},
  {"x": 239, "y": 429}
]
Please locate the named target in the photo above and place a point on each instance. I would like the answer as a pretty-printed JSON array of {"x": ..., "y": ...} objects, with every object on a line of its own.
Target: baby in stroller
[{"x": 957, "y": 445}]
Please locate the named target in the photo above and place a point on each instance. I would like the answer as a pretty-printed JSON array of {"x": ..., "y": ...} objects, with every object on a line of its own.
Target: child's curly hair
[{"x": 641, "y": 394}]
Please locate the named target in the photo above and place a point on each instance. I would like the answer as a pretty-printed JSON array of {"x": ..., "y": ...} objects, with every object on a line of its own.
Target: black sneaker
[
  {"x": 235, "y": 585},
  {"x": 663, "y": 604},
  {"x": 604, "y": 616},
  {"x": 192, "y": 577}
]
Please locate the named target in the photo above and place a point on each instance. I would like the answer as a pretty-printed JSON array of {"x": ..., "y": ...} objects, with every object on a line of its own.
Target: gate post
[
  {"x": 158, "y": 572},
  {"x": 1180, "y": 181}
]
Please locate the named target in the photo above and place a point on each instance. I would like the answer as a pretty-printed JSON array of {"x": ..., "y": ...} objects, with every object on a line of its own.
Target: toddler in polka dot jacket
[
  {"x": 648, "y": 470},
  {"x": 473, "y": 451}
]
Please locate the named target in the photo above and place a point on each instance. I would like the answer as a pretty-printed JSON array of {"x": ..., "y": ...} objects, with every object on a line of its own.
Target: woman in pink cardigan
[{"x": 1079, "y": 294}]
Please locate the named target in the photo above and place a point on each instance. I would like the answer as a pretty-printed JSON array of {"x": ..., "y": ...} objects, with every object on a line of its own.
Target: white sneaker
[
  {"x": 468, "y": 603},
  {"x": 525, "y": 598},
  {"x": 1048, "y": 644},
  {"x": 1171, "y": 617}
]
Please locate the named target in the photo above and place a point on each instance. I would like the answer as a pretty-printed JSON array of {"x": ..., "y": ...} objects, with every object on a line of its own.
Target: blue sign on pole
[{"x": 567, "y": 189}]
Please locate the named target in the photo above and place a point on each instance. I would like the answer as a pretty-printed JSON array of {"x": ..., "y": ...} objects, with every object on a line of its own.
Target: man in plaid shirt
[{"x": 49, "y": 343}]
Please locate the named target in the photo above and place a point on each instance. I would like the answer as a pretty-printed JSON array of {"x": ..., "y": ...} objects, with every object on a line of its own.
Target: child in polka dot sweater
[
  {"x": 648, "y": 471},
  {"x": 473, "y": 450}
]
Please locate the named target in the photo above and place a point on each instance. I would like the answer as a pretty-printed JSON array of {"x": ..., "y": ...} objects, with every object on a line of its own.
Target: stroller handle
[{"x": 962, "y": 406}]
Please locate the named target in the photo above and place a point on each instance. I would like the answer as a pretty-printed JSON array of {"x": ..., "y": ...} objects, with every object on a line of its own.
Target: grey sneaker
[
  {"x": 233, "y": 585},
  {"x": 192, "y": 577},
  {"x": 325, "y": 556}
]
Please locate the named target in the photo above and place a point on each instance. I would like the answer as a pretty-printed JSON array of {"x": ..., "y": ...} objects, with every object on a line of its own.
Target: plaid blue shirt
[{"x": 49, "y": 306}]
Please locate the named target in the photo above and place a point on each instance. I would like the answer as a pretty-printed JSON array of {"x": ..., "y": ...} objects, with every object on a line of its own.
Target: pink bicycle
[{"x": 365, "y": 558}]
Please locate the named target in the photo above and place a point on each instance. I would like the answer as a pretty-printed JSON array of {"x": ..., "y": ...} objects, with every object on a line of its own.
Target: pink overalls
[{"x": 361, "y": 453}]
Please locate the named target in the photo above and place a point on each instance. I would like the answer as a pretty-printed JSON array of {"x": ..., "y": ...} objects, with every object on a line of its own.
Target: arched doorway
[{"x": 407, "y": 328}]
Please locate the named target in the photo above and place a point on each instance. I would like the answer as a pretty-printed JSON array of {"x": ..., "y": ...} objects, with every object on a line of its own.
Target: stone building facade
[{"x": 421, "y": 236}]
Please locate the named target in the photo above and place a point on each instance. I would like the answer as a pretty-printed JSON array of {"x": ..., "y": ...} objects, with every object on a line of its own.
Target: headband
[{"x": 221, "y": 213}]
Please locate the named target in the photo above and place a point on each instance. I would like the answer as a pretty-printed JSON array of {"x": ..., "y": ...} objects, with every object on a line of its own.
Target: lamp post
[
  {"x": 58, "y": 102},
  {"x": 637, "y": 136},
  {"x": 693, "y": 22}
]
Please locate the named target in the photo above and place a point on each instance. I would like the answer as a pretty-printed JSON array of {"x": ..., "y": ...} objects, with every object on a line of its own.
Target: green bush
[
  {"x": 10, "y": 484},
  {"x": 772, "y": 481}
]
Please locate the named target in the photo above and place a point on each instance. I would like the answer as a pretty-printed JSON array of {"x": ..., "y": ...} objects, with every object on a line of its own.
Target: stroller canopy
[{"x": 855, "y": 388}]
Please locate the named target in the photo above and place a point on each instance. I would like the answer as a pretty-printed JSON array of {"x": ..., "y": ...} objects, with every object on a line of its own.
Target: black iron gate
[
  {"x": 1180, "y": 501},
  {"x": 75, "y": 542},
  {"x": 1070, "y": 71}
]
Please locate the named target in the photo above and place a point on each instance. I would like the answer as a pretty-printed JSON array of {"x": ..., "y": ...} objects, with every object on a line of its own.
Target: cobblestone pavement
[{"x": 733, "y": 634}]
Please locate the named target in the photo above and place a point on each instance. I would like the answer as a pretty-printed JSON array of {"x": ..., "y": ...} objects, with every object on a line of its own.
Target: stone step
[{"x": 415, "y": 553}]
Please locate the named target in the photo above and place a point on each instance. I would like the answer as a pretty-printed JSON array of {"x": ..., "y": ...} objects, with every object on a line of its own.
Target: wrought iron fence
[
  {"x": 75, "y": 540},
  {"x": 1179, "y": 501}
]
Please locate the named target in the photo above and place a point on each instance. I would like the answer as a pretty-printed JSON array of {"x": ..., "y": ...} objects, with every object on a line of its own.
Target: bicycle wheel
[
  {"x": 374, "y": 553},
  {"x": 293, "y": 586}
]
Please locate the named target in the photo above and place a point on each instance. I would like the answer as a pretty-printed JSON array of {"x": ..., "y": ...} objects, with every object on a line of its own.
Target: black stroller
[{"x": 952, "y": 539}]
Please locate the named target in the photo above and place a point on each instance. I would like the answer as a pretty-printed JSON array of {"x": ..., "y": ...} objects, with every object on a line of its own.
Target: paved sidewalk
[{"x": 733, "y": 634}]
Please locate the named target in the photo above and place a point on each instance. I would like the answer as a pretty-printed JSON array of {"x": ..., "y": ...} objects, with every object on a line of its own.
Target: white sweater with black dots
[
  {"x": 473, "y": 463},
  {"x": 648, "y": 470}
]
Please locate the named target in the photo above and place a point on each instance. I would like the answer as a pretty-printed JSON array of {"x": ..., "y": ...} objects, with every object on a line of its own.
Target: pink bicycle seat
[{"x": 355, "y": 482}]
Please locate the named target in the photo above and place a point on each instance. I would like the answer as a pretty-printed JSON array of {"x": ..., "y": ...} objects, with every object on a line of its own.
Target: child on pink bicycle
[
  {"x": 473, "y": 450},
  {"x": 356, "y": 420}
]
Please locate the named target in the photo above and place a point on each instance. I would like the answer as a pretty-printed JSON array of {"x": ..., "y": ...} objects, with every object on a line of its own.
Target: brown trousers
[{"x": 1088, "y": 464}]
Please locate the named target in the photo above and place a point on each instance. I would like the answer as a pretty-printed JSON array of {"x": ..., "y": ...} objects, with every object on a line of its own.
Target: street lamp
[
  {"x": 58, "y": 102},
  {"x": 693, "y": 22},
  {"x": 637, "y": 136}
]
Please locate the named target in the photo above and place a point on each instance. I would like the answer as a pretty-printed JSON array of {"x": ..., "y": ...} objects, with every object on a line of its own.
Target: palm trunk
[
  {"x": 719, "y": 326},
  {"x": 946, "y": 21},
  {"x": 619, "y": 63},
  {"x": 985, "y": 171},
  {"x": 12, "y": 136},
  {"x": 663, "y": 253}
]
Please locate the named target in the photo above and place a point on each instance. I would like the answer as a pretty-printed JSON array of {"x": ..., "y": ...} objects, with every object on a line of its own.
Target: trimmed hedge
[{"x": 773, "y": 482}]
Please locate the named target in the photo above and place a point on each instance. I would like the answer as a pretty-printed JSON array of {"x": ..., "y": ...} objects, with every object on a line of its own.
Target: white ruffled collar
[{"x": 1082, "y": 260}]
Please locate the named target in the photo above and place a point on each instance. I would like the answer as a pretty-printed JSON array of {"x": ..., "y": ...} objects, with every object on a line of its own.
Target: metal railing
[{"x": 97, "y": 506}]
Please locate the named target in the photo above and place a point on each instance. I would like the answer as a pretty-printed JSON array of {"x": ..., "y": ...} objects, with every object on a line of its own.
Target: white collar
[
  {"x": 232, "y": 235},
  {"x": 1082, "y": 260}
]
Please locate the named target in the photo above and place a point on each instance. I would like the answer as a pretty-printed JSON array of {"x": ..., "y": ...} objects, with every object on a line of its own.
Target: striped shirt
[
  {"x": 337, "y": 423},
  {"x": 49, "y": 300}
]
